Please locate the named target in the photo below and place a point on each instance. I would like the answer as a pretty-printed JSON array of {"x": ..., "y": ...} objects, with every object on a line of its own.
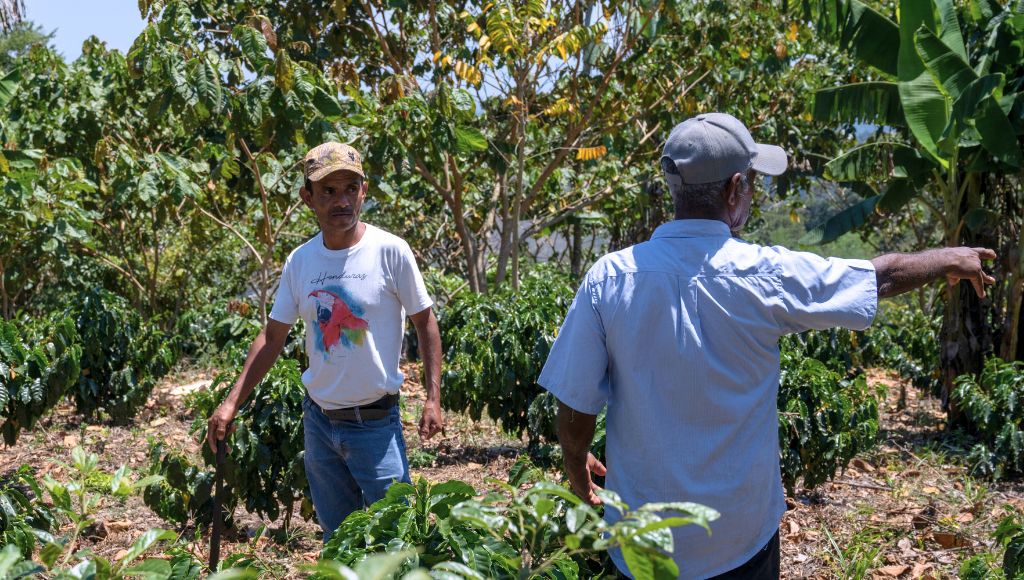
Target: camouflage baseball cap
[{"x": 329, "y": 157}]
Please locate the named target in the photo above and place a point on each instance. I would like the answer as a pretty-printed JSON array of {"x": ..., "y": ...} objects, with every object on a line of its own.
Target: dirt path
[{"x": 907, "y": 509}]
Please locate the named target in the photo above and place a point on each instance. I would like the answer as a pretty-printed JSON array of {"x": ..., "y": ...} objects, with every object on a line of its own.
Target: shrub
[
  {"x": 542, "y": 531},
  {"x": 824, "y": 419},
  {"x": 497, "y": 344},
  {"x": 186, "y": 491},
  {"x": 904, "y": 339},
  {"x": 122, "y": 356},
  {"x": 35, "y": 378},
  {"x": 221, "y": 333},
  {"x": 23, "y": 517},
  {"x": 264, "y": 465},
  {"x": 835, "y": 348},
  {"x": 994, "y": 406}
]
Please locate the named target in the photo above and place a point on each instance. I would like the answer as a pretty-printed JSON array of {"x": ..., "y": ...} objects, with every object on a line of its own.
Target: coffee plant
[
  {"x": 497, "y": 344},
  {"x": 186, "y": 491},
  {"x": 544, "y": 531},
  {"x": 265, "y": 462},
  {"x": 903, "y": 338},
  {"x": 24, "y": 520},
  {"x": 994, "y": 405},
  {"x": 34, "y": 378},
  {"x": 122, "y": 356},
  {"x": 825, "y": 419},
  {"x": 72, "y": 507}
]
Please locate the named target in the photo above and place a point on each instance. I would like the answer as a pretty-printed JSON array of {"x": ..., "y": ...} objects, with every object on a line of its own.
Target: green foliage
[
  {"x": 994, "y": 406},
  {"x": 17, "y": 41},
  {"x": 24, "y": 520},
  {"x": 265, "y": 463},
  {"x": 35, "y": 378},
  {"x": 74, "y": 502},
  {"x": 185, "y": 492},
  {"x": 544, "y": 531},
  {"x": 824, "y": 418},
  {"x": 905, "y": 339},
  {"x": 122, "y": 356},
  {"x": 497, "y": 345},
  {"x": 1010, "y": 535}
]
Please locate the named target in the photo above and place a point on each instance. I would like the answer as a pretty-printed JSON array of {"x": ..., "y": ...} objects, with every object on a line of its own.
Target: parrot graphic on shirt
[{"x": 337, "y": 322}]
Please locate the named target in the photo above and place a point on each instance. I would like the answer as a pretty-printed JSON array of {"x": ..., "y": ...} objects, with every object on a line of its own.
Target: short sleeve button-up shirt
[{"x": 679, "y": 337}]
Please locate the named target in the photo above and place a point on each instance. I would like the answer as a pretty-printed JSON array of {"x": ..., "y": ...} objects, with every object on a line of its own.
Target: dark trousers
[{"x": 763, "y": 566}]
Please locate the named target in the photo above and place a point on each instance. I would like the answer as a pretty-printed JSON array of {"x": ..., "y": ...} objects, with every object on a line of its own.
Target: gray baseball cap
[{"x": 714, "y": 147}]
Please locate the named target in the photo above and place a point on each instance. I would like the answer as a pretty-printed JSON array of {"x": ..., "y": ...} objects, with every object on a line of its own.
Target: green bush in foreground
[
  {"x": 34, "y": 378},
  {"x": 544, "y": 531},
  {"x": 24, "y": 520},
  {"x": 994, "y": 405},
  {"x": 122, "y": 356}
]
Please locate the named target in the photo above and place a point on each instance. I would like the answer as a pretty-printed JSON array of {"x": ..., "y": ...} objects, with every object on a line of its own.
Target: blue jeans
[{"x": 350, "y": 464}]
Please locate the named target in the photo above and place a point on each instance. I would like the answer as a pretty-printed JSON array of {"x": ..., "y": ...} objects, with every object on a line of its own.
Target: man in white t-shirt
[{"x": 353, "y": 285}]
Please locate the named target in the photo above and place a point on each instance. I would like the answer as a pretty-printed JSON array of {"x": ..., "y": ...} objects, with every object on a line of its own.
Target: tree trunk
[
  {"x": 576, "y": 255},
  {"x": 505, "y": 246},
  {"x": 6, "y": 299},
  {"x": 1010, "y": 348}
]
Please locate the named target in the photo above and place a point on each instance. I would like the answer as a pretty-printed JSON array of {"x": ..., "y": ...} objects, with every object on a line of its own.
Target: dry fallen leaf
[
  {"x": 862, "y": 465},
  {"x": 948, "y": 540},
  {"x": 930, "y": 489},
  {"x": 911, "y": 473},
  {"x": 895, "y": 571},
  {"x": 965, "y": 518},
  {"x": 70, "y": 440},
  {"x": 158, "y": 422},
  {"x": 119, "y": 526},
  {"x": 906, "y": 546},
  {"x": 919, "y": 569},
  {"x": 794, "y": 527}
]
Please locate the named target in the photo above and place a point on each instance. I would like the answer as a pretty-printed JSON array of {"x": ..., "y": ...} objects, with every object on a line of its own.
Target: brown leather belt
[{"x": 376, "y": 410}]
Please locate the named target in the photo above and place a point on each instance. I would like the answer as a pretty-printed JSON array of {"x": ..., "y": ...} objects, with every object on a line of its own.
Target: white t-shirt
[{"x": 353, "y": 302}]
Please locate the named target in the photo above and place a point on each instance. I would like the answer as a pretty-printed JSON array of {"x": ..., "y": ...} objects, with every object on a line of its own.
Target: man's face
[{"x": 336, "y": 200}]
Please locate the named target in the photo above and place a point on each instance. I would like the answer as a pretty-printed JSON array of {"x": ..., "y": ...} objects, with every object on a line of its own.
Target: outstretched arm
[
  {"x": 576, "y": 433},
  {"x": 266, "y": 347},
  {"x": 899, "y": 273}
]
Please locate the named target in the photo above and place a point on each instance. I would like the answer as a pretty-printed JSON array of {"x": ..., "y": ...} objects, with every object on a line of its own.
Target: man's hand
[
  {"x": 966, "y": 265},
  {"x": 899, "y": 273},
  {"x": 431, "y": 421},
  {"x": 582, "y": 482},
  {"x": 576, "y": 433},
  {"x": 220, "y": 424}
]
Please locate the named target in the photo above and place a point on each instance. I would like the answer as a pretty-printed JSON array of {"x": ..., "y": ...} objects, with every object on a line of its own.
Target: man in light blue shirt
[{"x": 679, "y": 337}]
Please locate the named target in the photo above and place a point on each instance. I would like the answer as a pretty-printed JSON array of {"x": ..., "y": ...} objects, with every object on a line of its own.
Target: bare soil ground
[{"x": 907, "y": 509}]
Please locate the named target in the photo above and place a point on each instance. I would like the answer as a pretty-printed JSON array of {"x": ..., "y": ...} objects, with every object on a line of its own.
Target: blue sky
[{"x": 116, "y": 22}]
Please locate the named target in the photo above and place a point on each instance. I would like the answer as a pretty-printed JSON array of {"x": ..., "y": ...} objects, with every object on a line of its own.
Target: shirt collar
[{"x": 692, "y": 228}]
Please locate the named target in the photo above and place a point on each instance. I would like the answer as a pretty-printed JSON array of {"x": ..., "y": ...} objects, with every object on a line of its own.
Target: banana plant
[
  {"x": 951, "y": 120},
  {"x": 953, "y": 115}
]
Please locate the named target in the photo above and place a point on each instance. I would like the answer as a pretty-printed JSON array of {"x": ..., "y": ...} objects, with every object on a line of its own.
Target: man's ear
[
  {"x": 305, "y": 194},
  {"x": 732, "y": 190}
]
